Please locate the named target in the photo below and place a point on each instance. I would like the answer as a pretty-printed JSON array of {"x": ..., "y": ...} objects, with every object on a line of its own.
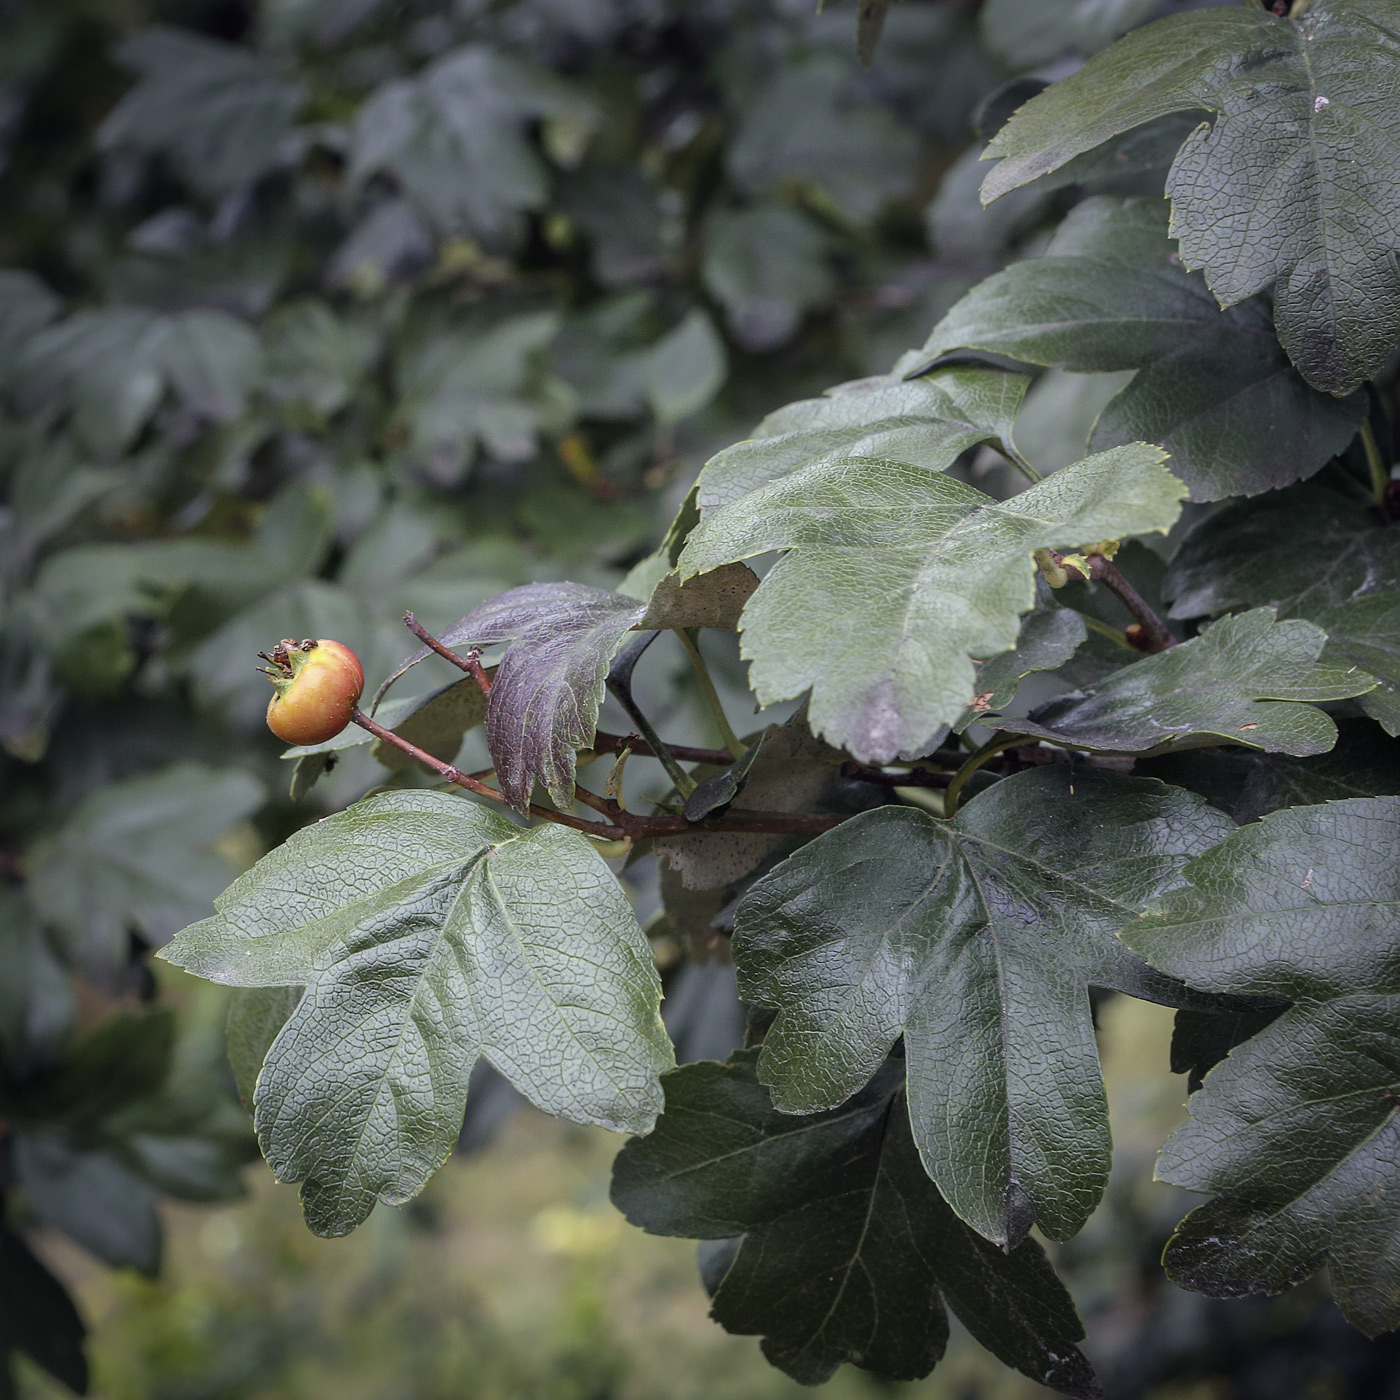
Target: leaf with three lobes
[
  {"x": 427, "y": 932},
  {"x": 924, "y": 422},
  {"x": 1288, "y": 187},
  {"x": 545, "y": 697},
  {"x": 1316, "y": 555},
  {"x": 896, "y": 576},
  {"x": 218, "y": 111},
  {"x": 1249, "y": 679},
  {"x": 454, "y": 137},
  {"x": 847, "y": 1251},
  {"x": 977, "y": 941},
  {"x": 136, "y": 854},
  {"x": 1213, "y": 386},
  {"x": 112, "y": 367},
  {"x": 1295, "y": 1134}
]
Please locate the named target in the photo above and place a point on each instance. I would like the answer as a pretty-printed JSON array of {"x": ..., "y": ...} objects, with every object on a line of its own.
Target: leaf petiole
[
  {"x": 1380, "y": 477},
  {"x": 976, "y": 760},
  {"x": 728, "y": 738}
]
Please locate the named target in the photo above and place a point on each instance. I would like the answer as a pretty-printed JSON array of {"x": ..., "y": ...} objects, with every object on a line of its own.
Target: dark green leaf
[
  {"x": 460, "y": 390},
  {"x": 618, "y": 209},
  {"x": 428, "y": 931},
  {"x": 91, "y": 1197},
  {"x": 766, "y": 266},
  {"x": 962, "y": 230},
  {"x": 1213, "y": 387},
  {"x": 1303, "y": 905},
  {"x": 977, "y": 942},
  {"x": 217, "y": 111},
  {"x": 715, "y": 793},
  {"x": 1048, "y": 638},
  {"x": 113, "y": 367},
  {"x": 684, "y": 370},
  {"x": 37, "y": 1317},
  {"x": 455, "y": 138},
  {"x": 136, "y": 854},
  {"x": 897, "y": 576},
  {"x": 1201, "y": 1039},
  {"x": 36, "y": 1002},
  {"x": 26, "y": 307},
  {"x": 848, "y": 1251},
  {"x": 1313, "y": 554},
  {"x": 1287, "y": 188},
  {"x": 1249, "y": 785},
  {"x": 255, "y": 1017},
  {"x": 1249, "y": 679},
  {"x": 803, "y": 126},
  {"x": 315, "y": 358}
]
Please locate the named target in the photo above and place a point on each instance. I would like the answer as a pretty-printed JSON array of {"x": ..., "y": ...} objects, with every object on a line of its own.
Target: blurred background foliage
[{"x": 312, "y": 311}]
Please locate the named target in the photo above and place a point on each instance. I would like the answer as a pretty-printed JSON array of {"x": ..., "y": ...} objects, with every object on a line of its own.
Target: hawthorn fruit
[{"x": 318, "y": 685}]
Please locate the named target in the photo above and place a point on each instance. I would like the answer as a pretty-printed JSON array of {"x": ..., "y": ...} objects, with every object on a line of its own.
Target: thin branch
[
  {"x": 1012, "y": 453},
  {"x": 477, "y": 671},
  {"x": 591, "y": 799},
  {"x": 685, "y": 784},
  {"x": 465, "y": 780},
  {"x": 432, "y": 643},
  {"x": 1380, "y": 477},
  {"x": 622, "y": 824},
  {"x": 1156, "y": 635},
  {"x": 615, "y": 743},
  {"x": 792, "y": 823}
]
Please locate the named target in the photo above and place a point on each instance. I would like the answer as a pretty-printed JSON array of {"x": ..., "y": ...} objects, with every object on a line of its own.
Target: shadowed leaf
[
  {"x": 847, "y": 1252},
  {"x": 1288, "y": 187},
  {"x": 1303, "y": 905},
  {"x": 977, "y": 941}
]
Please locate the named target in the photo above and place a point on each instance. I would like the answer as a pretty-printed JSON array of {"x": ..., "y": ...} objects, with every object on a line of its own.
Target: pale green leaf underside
[
  {"x": 898, "y": 576},
  {"x": 1290, "y": 186},
  {"x": 429, "y": 932}
]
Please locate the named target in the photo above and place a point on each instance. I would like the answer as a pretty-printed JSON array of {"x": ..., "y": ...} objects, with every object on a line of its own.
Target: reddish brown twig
[
  {"x": 465, "y": 780},
  {"x": 1156, "y": 635},
  {"x": 1150, "y": 634},
  {"x": 620, "y": 823},
  {"x": 615, "y": 743},
  {"x": 470, "y": 663}
]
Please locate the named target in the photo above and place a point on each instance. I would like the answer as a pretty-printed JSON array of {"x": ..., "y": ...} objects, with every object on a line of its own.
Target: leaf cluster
[{"x": 1077, "y": 625}]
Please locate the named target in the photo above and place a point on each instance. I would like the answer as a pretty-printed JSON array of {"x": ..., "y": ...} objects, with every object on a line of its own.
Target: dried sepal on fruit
[{"x": 318, "y": 684}]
